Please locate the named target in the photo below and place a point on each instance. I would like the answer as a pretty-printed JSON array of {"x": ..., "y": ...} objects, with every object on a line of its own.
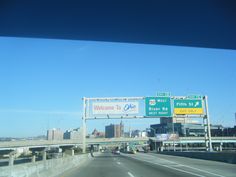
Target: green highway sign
[
  {"x": 194, "y": 97},
  {"x": 187, "y": 103},
  {"x": 163, "y": 94},
  {"x": 188, "y": 106},
  {"x": 158, "y": 106}
]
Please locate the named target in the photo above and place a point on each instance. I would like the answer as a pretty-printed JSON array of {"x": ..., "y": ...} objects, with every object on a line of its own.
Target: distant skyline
[{"x": 42, "y": 81}]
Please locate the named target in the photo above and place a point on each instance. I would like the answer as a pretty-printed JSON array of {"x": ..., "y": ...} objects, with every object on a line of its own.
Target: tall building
[
  {"x": 183, "y": 129},
  {"x": 114, "y": 130},
  {"x": 54, "y": 134},
  {"x": 73, "y": 134},
  {"x": 109, "y": 131},
  {"x": 138, "y": 133},
  {"x": 235, "y": 119}
]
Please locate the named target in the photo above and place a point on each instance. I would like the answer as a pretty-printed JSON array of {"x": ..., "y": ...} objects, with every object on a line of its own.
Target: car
[
  {"x": 132, "y": 151},
  {"x": 117, "y": 152}
]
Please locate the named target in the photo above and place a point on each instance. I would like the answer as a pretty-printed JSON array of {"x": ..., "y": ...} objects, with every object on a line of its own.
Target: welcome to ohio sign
[{"x": 115, "y": 108}]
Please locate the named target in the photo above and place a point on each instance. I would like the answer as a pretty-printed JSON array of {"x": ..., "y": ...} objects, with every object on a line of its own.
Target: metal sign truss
[{"x": 87, "y": 107}]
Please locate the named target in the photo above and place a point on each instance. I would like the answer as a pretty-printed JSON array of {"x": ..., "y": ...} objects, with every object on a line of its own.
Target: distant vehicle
[
  {"x": 117, "y": 152},
  {"x": 146, "y": 149},
  {"x": 132, "y": 151}
]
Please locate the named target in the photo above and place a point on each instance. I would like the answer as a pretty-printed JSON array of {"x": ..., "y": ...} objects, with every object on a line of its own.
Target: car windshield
[{"x": 92, "y": 92}]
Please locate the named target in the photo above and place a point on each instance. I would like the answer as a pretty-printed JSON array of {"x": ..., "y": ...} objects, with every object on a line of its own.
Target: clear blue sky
[{"x": 42, "y": 81}]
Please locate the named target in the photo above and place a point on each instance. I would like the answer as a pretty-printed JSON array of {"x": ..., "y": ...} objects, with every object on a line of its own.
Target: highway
[{"x": 151, "y": 165}]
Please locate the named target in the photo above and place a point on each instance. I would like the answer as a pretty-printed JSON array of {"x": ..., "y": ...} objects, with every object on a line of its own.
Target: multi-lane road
[{"x": 149, "y": 165}]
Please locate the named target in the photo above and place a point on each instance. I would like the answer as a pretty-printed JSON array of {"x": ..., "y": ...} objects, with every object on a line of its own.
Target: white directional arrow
[{"x": 196, "y": 104}]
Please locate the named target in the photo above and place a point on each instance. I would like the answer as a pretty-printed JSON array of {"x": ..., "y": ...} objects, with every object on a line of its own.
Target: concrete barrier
[
  {"x": 228, "y": 157},
  {"x": 46, "y": 168}
]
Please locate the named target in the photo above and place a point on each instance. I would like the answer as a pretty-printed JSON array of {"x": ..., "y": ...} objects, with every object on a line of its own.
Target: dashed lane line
[
  {"x": 130, "y": 174},
  {"x": 214, "y": 174},
  {"x": 177, "y": 169}
]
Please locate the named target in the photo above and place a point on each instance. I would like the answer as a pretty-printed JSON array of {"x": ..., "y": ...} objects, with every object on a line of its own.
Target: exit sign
[{"x": 188, "y": 106}]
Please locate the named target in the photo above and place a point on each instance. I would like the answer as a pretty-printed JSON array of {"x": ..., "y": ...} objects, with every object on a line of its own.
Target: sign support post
[
  {"x": 173, "y": 131},
  {"x": 207, "y": 127},
  {"x": 84, "y": 126}
]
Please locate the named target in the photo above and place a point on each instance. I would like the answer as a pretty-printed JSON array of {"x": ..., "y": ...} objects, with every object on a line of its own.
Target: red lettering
[{"x": 103, "y": 107}]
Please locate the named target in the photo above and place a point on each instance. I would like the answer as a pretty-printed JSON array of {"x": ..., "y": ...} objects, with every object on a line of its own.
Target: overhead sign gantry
[{"x": 162, "y": 105}]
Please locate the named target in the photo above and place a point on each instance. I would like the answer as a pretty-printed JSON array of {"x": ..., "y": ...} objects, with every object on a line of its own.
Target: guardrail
[
  {"x": 37, "y": 143},
  {"x": 182, "y": 149},
  {"x": 43, "y": 168},
  {"x": 228, "y": 157},
  {"x": 202, "y": 140}
]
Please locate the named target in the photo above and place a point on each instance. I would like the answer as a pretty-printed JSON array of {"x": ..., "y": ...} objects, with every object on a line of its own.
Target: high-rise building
[
  {"x": 109, "y": 131},
  {"x": 54, "y": 134},
  {"x": 73, "y": 134},
  {"x": 183, "y": 129},
  {"x": 114, "y": 130},
  {"x": 138, "y": 133},
  {"x": 235, "y": 119},
  {"x": 122, "y": 129}
]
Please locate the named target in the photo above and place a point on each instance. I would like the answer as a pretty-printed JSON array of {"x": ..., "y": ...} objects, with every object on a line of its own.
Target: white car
[{"x": 117, "y": 152}]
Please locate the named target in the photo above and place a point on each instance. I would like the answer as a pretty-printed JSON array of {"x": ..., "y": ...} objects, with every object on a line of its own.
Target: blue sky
[{"x": 42, "y": 81}]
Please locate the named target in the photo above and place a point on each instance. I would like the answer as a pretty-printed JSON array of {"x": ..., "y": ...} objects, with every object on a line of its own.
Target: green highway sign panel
[
  {"x": 194, "y": 97},
  {"x": 158, "y": 106},
  {"x": 188, "y": 106},
  {"x": 187, "y": 103},
  {"x": 163, "y": 94}
]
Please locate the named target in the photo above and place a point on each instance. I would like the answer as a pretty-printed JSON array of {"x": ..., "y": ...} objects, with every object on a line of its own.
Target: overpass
[
  {"x": 11, "y": 145},
  {"x": 184, "y": 140},
  {"x": 46, "y": 167},
  {"x": 194, "y": 143}
]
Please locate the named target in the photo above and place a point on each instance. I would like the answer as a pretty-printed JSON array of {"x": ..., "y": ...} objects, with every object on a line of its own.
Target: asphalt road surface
[{"x": 149, "y": 165}]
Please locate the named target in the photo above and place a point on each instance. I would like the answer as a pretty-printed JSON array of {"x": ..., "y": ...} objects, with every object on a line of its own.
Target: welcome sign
[{"x": 115, "y": 108}]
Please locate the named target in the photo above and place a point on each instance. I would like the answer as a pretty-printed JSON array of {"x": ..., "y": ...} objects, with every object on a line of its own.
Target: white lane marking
[
  {"x": 187, "y": 166},
  {"x": 130, "y": 174},
  {"x": 198, "y": 169},
  {"x": 118, "y": 163},
  {"x": 195, "y": 174}
]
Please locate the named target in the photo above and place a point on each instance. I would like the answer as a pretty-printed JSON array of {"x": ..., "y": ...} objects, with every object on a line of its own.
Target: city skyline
[{"x": 43, "y": 80}]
